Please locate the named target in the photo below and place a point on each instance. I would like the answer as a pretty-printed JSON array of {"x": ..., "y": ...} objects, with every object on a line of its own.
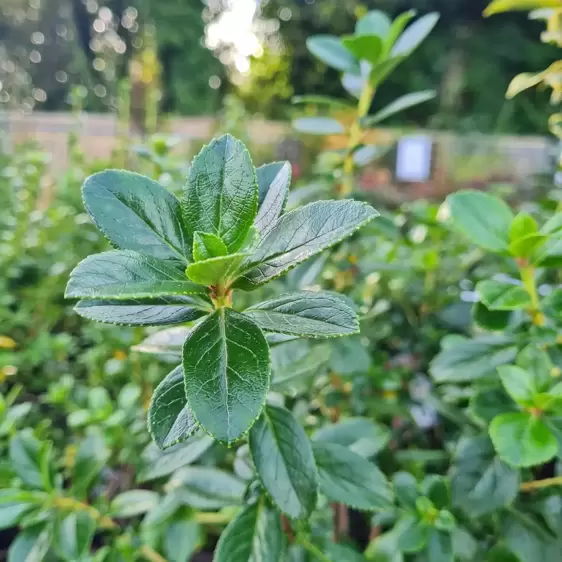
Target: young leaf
[
  {"x": 72, "y": 535},
  {"x": 273, "y": 189},
  {"x": 414, "y": 35},
  {"x": 306, "y": 314},
  {"x": 136, "y": 213},
  {"x": 122, "y": 274},
  {"x": 364, "y": 47},
  {"x": 206, "y": 246},
  {"x": 144, "y": 312},
  {"x": 348, "y": 478},
  {"x": 301, "y": 234},
  {"x": 398, "y": 26},
  {"x": 215, "y": 271},
  {"x": 518, "y": 383},
  {"x": 374, "y": 22},
  {"x": 221, "y": 194},
  {"x": 522, "y": 225},
  {"x": 473, "y": 359},
  {"x": 170, "y": 421},
  {"x": 398, "y": 105},
  {"x": 330, "y": 51},
  {"x": 483, "y": 218},
  {"x": 318, "y": 126},
  {"x": 226, "y": 369},
  {"x": 255, "y": 535},
  {"x": 284, "y": 462},
  {"x": 503, "y": 296},
  {"x": 522, "y": 440},
  {"x": 481, "y": 482},
  {"x": 207, "y": 488}
]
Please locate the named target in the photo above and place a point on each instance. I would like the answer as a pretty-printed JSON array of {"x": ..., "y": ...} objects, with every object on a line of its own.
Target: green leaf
[
  {"x": 91, "y": 456},
  {"x": 537, "y": 362},
  {"x": 31, "y": 545},
  {"x": 522, "y": 225},
  {"x": 473, "y": 359},
  {"x": 398, "y": 105},
  {"x": 133, "y": 502},
  {"x": 25, "y": 456},
  {"x": 321, "y": 100},
  {"x": 487, "y": 403},
  {"x": 414, "y": 35},
  {"x": 122, "y": 274},
  {"x": 350, "y": 356},
  {"x": 398, "y": 26},
  {"x": 483, "y": 218},
  {"x": 497, "y": 295},
  {"x": 181, "y": 540},
  {"x": 374, "y": 22},
  {"x": 498, "y": 6},
  {"x": 284, "y": 462},
  {"x": 518, "y": 383},
  {"x": 412, "y": 534},
  {"x": 12, "y": 511},
  {"x": 227, "y": 371},
  {"x": 207, "y": 488},
  {"x": 348, "y": 478},
  {"x": 363, "y": 47},
  {"x": 215, "y": 271},
  {"x": 301, "y": 234},
  {"x": 493, "y": 320},
  {"x": 157, "y": 463},
  {"x": 362, "y": 435},
  {"x": 481, "y": 482},
  {"x": 553, "y": 225},
  {"x": 436, "y": 488},
  {"x": 522, "y": 440},
  {"x": 330, "y": 51},
  {"x": 306, "y": 314},
  {"x": 221, "y": 194},
  {"x": 144, "y": 312},
  {"x": 440, "y": 547},
  {"x": 550, "y": 253},
  {"x": 383, "y": 69},
  {"x": 255, "y": 535},
  {"x": 341, "y": 553},
  {"x": 405, "y": 488},
  {"x": 136, "y": 213},
  {"x": 206, "y": 246},
  {"x": 170, "y": 421},
  {"x": 318, "y": 126},
  {"x": 273, "y": 189},
  {"x": 72, "y": 535}
]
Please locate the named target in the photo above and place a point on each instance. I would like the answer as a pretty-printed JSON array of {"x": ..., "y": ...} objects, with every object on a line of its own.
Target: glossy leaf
[
  {"x": 398, "y": 26},
  {"x": 318, "y": 126},
  {"x": 206, "y": 488},
  {"x": 31, "y": 545},
  {"x": 492, "y": 320},
  {"x": 273, "y": 189},
  {"x": 405, "y": 488},
  {"x": 255, "y": 535},
  {"x": 440, "y": 547},
  {"x": 522, "y": 440},
  {"x": 398, "y": 105},
  {"x": 301, "y": 234},
  {"x": 12, "y": 511},
  {"x": 72, "y": 535},
  {"x": 414, "y": 35},
  {"x": 497, "y": 295},
  {"x": 25, "y": 456},
  {"x": 412, "y": 534},
  {"x": 481, "y": 482},
  {"x": 215, "y": 271},
  {"x": 363, "y": 47},
  {"x": 136, "y": 213},
  {"x": 144, "y": 312},
  {"x": 227, "y": 370},
  {"x": 473, "y": 359},
  {"x": 206, "y": 246},
  {"x": 284, "y": 462},
  {"x": 330, "y": 51},
  {"x": 170, "y": 421},
  {"x": 133, "y": 502},
  {"x": 306, "y": 314},
  {"x": 353, "y": 84},
  {"x": 518, "y": 383},
  {"x": 221, "y": 194},
  {"x": 374, "y": 22},
  {"x": 182, "y": 539},
  {"x": 123, "y": 274},
  {"x": 348, "y": 478},
  {"x": 482, "y": 218},
  {"x": 537, "y": 362}
]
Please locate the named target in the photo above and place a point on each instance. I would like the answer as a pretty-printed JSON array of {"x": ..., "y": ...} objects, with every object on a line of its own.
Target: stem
[
  {"x": 213, "y": 518},
  {"x": 150, "y": 554},
  {"x": 312, "y": 549},
  {"x": 538, "y": 484},
  {"x": 355, "y": 134},
  {"x": 71, "y": 504},
  {"x": 527, "y": 273}
]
